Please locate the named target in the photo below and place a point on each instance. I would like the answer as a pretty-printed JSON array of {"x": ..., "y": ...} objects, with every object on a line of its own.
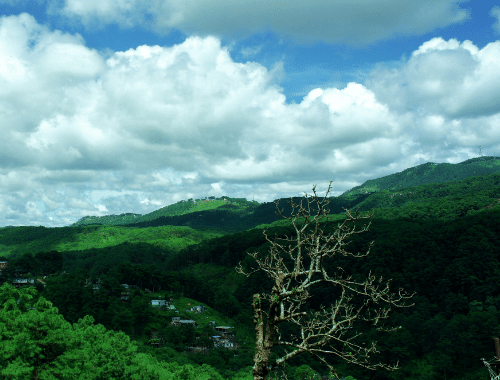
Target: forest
[{"x": 440, "y": 240}]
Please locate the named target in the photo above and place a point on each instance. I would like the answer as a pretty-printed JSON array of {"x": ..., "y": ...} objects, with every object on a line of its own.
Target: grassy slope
[
  {"x": 165, "y": 236},
  {"x": 107, "y": 220},
  {"x": 14, "y": 240},
  {"x": 447, "y": 200},
  {"x": 183, "y": 208},
  {"x": 176, "y": 209}
]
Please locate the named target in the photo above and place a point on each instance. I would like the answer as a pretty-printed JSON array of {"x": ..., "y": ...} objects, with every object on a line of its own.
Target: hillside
[
  {"x": 21, "y": 240},
  {"x": 430, "y": 173},
  {"x": 446, "y": 200},
  {"x": 229, "y": 215},
  {"x": 183, "y": 207},
  {"x": 440, "y": 240}
]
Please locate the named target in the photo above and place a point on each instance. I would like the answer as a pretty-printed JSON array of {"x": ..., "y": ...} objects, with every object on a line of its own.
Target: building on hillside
[
  {"x": 3, "y": 265},
  {"x": 125, "y": 294},
  {"x": 175, "y": 320},
  {"x": 222, "y": 342},
  {"x": 197, "y": 309},
  {"x": 95, "y": 286},
  {"x": 178, "y": 321},
  {"x": 225, "y": 331},
  {"x": 17, "y": 282},
  {"x": 188, "y": 322},
  {"x": 159, "y": 303}
]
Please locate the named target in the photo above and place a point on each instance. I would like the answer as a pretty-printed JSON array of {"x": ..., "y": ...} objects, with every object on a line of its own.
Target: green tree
[{"x": 37, "y": 343}]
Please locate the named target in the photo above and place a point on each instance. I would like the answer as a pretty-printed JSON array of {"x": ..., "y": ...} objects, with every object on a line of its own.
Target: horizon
[{"x": 109, "y": 106}]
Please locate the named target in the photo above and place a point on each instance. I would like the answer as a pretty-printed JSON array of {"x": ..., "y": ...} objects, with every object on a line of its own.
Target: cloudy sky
[{"x": 114, "y": 106}]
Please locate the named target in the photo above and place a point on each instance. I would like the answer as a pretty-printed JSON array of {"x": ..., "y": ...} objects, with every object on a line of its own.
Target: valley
[{"x": 436, "y": 231}]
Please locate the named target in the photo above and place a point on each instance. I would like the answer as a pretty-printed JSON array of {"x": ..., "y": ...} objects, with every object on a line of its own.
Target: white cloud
[
  {"x": 444, "y": 77},
  {"x": 153, "y": 125},
  {"x": 357, "y": 23}
]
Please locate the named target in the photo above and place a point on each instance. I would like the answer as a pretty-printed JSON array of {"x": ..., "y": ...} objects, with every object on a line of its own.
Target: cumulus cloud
[
  {"x": 153, "y": 125},
  {"x": 451, "y": 78},
  {"x": 358, "y": 23}
]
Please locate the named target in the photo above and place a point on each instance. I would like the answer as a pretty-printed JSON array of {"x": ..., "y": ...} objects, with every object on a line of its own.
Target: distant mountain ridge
[
  {"x": 177, "y": 209},
  {"x": 446, "y": 201},
  {"x": 238, "y": 214},
  {"x": 429, "y": 173}
]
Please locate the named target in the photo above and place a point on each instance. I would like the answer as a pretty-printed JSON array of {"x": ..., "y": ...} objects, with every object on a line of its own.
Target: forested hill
[
  {"x": 180, "y": 208},
  {"x": 430, "y": 173},
  {"x": 440, "y": 240},
  {"x": 229, "y": 215}
]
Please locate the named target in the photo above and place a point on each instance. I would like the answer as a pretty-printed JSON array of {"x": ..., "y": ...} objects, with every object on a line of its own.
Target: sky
[{"x": 115, "y": 106}]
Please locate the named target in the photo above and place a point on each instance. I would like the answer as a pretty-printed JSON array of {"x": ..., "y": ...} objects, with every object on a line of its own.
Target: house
[
  {"x": 95, "y": 286},
  {"x": 125, "y": 296},
  {"x": 3, "y": 265},
  {"x": 177, "y": 321},
  {"x": 225, "y": 331},
  {"x": 188, "y": 322},
  {"x": 197, "y": 309},
  {"x": 159, "y": 303},
  {"x": 222, "y": 342},
  {"x": 17, "y": 282}
]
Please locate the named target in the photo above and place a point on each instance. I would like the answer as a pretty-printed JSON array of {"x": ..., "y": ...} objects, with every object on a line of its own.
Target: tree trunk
[
  {"x": 262, "y": 349},
  {"x": 259, "y": 372}
]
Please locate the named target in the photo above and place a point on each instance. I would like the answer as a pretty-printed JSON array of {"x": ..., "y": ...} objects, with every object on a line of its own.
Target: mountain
[
  {"x": 429, "y": 173},
  {"x": 183, "y": 207},
  {"x": 229, "y": 215},
  {"x": 106, "y": 220},
  {"x": 439, "y": 239}
]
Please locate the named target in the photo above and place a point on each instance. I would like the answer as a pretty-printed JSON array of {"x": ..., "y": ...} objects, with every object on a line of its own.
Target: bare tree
[{"x": 295, "y": 264}]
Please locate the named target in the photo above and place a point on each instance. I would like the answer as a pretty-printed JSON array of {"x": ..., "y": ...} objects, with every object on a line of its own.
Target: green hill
[
  {"x": 446, "y": 200},
  {"x": 439, "y": 239},
  {"x": 21, "y": 240},
  {"x": 430, "y": 173},
  {"x": 183, "y": 207}
]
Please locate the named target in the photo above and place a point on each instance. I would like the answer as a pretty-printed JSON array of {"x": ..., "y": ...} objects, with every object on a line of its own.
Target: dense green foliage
[
  {"x": 448, "y": 200},
  {"x": 36, "y": 342},
  {"x": 17, "y": 240},
  {"x": 30, "y": 240},
  {"x": 452, "y": 264},
  {"x": 430, "y": 173},
  {"x": 440, "y": 240}
]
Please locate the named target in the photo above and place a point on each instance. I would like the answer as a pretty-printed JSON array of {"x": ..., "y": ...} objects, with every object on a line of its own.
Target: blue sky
[{"x": 114, "y": 106}]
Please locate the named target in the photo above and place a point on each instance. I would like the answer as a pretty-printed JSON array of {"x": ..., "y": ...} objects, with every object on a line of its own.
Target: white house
[{"x": 159, "y": 303}]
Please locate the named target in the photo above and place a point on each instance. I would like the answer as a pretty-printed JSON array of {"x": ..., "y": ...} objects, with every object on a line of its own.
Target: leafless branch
[{"x": 327, "y": 331}]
